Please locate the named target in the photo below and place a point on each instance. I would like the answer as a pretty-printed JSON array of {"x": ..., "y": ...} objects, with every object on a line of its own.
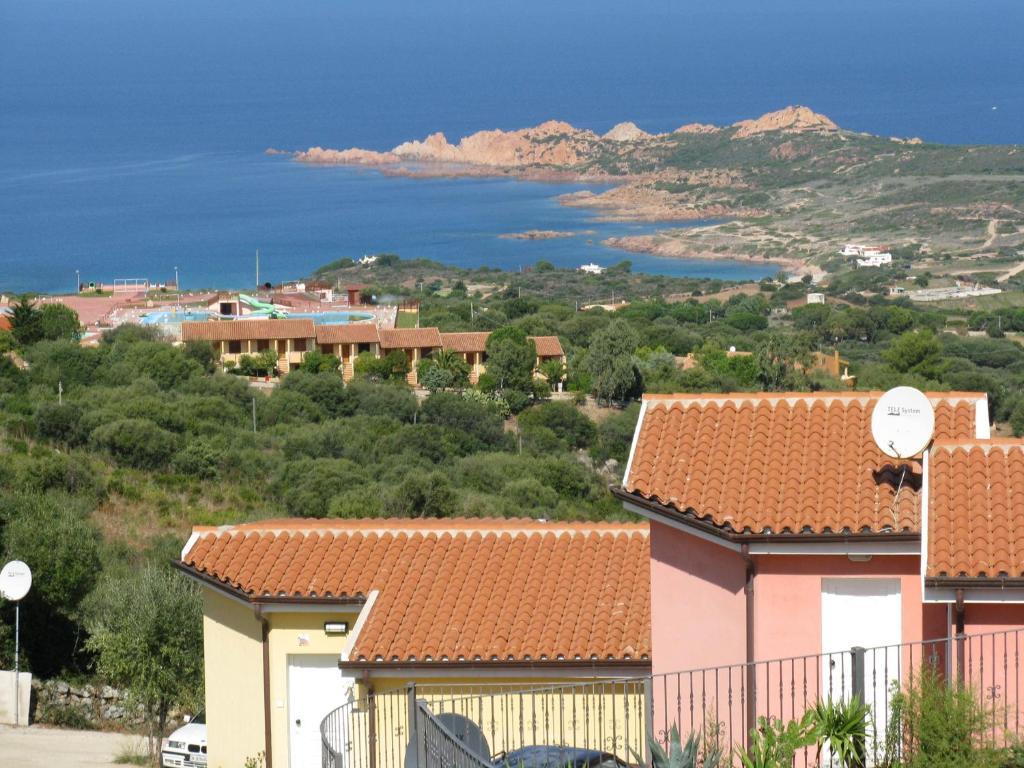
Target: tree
[
  {"x": 136, "y": 442},
  {"x": 553, "y": 371},
  {"x": 57, "y": 322},
  {"x": 916, "y": 352},
  {"x": 326, "y": 389},
  {"x": 51, "y": 532},
  {"x": 316, "y": 361},
  {"x": 564, "y": 420},
  {"x": 146, "y": 631},
  {"x": 26, "y": 323},
  {"x": 510, "y": 359},
  {"x": 610, "y": 361}
]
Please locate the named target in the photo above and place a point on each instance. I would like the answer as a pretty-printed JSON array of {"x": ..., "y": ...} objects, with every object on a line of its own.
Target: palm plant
[{"x": 842, "y": 725}]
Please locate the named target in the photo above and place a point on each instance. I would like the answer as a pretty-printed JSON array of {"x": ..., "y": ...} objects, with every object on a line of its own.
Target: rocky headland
[{"x": 790, "y": 186}]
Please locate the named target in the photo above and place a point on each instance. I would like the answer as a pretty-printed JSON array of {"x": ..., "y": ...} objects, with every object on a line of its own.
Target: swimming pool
[{"x": 177, "y": 317}]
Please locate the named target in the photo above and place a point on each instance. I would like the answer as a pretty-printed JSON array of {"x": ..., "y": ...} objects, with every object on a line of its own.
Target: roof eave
[
  {"x": 225, "y": 588},
  {"x": 703, "y": 526},
  {"x": 534, "y": 664},
  {"x": 968, "y": 582}
]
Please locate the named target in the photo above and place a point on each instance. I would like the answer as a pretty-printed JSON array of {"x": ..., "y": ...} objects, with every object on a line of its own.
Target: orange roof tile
[
  {"x": 547, "y": 346},
  {"x": 5, "y": 322},
  {"x": 453, "y": 590},
  {"x": 759, "y": 463},
  {"x": 976, "y": 509},
  {"x": 347, "y": 333},
  {"x": 409, "y": 338},
  {"x": 466, "y": 342},
  {"x": 243, "y": 330}
]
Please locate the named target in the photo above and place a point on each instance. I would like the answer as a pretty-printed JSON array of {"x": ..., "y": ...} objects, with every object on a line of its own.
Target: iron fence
[{"x": 477, "y": 726}]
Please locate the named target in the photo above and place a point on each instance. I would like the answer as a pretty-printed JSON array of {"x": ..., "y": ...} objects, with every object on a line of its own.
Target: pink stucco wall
[
  {"x": 787, "y": 600},
  {"x": 697, "y": 602}
]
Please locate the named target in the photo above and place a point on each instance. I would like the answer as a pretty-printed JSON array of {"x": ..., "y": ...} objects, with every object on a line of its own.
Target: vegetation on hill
[{"x": 110, "y": 453}]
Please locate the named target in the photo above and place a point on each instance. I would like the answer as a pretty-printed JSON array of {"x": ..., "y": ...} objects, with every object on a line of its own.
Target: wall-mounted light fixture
[
  {"x": 336, "y": 627},
  {"x": 859, "y": 558}
]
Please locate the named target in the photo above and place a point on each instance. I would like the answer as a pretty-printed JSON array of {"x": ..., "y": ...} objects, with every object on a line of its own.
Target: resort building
[
  {"x": 473, "y": 348},
  {"x": 291, "y": 339},
  {"x": 303, "y": 617},
  {"x": 417, "y": 343},
  {"x": 346, "y": 342}
]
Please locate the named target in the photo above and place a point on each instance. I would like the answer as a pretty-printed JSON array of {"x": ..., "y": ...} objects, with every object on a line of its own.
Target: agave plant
[{"x": 681, "y": 755}]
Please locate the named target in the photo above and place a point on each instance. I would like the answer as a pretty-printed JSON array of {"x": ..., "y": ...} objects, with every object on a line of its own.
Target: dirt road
[{"x": 38, "y": 747}]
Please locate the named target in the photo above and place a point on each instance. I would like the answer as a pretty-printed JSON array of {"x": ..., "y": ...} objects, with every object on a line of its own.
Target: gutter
[
  {"x": 732, "y": 537},
  {"x": 961, "y": 583},
  {"x": 268, "y": 751},
  {"x": 268, "y": 600},
  {"x": 460, "y": 666}
]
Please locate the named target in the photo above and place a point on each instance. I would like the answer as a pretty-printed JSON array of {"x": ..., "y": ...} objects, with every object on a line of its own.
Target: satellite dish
[
  {"x": 903, "y": 422},
  {"x": 15, "y": 580},
  {"x": 463, "y": 729}
]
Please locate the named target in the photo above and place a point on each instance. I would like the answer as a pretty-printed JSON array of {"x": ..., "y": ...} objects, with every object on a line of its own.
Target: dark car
[{"x": 557, "y": 757}]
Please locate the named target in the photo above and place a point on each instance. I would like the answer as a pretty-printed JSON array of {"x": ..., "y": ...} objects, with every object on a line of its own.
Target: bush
[
  {"x": 326, "y": 390},
  {"x": 135, "y": 443},
  {"x": 476, "y": 421},
  {"x": 571, "y": 426},
  {"x": 61, "y": 423},
  {"x": 383, "y": 400},
  {"x": 615, "y": 435},
  {"x": 286, "y": 406}
]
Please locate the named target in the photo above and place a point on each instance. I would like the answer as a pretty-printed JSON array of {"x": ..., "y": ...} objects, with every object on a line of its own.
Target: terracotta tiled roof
[
  {"x": 243, "y": 330},
  {"x": 452, "y": 590},
  {"x": 976, "y": 509},
  {"x": 548, "y": 346},
  {"x": 409, "y": 338},
  {"x": 347, "y": 333},
  {"x": 782, "y": 463},
  {"x": 466, "y": 342},
  {"x": 5, "y": 322}
]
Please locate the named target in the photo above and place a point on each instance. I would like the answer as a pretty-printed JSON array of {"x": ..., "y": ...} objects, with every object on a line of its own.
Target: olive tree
[{"x": 146, "y": 631}]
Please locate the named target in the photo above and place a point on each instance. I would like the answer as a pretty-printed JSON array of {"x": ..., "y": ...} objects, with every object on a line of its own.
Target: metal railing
[{"x": 477, "y": 726}]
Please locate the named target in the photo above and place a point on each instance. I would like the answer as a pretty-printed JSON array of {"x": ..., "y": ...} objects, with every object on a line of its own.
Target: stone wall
[{"x": 91, "y": 706}]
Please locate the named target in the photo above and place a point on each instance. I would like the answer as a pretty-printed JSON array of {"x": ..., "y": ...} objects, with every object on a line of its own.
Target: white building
[
  {"x": 592, "y": 269},
  {"x": 815, "y": 298},
  {"x": 367, "y": 261},
  {"x": 874, "y": 258}
]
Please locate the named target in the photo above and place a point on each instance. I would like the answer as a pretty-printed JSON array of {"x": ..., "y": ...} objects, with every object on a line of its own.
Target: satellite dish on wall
[
  {"x": 15, "y": 581},
  {"x": 903, "y": 422}
]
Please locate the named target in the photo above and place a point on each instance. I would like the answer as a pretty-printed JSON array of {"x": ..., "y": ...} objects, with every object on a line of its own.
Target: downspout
[
  {"x": 265, "y": 640},
  {"x": 748, "y": 597},
  {"x": 960, "y": 610}
]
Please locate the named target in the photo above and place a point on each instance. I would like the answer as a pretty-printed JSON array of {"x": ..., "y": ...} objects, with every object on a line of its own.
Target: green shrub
[{"x": 135, "y": 442}]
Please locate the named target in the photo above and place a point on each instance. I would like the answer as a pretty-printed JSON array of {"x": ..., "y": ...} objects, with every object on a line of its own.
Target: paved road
[{"x": 39, "y": 747}]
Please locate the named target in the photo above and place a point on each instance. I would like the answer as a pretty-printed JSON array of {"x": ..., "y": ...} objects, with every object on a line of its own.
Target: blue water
[
  {"x": 132, "y": 131},
  {"x": 170, "y": 317}
]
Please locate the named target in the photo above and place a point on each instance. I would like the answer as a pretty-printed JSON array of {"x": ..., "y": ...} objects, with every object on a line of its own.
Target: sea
[{"x": 133, "y": 132}]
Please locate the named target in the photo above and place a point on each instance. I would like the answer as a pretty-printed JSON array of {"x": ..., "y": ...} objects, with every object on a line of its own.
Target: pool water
[{"x": 176, "y": 317}]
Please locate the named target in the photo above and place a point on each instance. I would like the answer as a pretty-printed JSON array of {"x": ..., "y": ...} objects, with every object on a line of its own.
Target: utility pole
[
  {"x": 60, "y": 392},
  {"x": 254, "y": 415}
]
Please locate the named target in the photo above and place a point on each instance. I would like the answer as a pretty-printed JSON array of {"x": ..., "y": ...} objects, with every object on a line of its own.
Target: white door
[
  {"x": 315, "y": 688},
  {"x": 865, "y": 613}
]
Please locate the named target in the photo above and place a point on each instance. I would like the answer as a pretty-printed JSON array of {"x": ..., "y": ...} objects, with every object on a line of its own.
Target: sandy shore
[{"x": 675, "y": 248}]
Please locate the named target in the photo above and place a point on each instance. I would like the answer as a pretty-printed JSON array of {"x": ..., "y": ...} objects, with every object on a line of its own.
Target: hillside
[{"x": 790, "y": 184}]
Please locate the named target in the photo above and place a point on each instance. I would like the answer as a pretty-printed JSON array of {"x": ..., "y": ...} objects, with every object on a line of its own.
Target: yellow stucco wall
[
  {"x": 510, "y": 710},
  {"x": 295, "y": 634},
  {"x": 233, "y": 659}
]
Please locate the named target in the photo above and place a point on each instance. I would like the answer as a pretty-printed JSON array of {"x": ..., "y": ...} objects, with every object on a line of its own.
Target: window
[
  {"x": 234, "y": 347},
  {"x": 364, "y": 348},
  {"x": 262, "y": 345},
  {"x": 299, "y": 345},
  {"x": 327, "y": 349}
]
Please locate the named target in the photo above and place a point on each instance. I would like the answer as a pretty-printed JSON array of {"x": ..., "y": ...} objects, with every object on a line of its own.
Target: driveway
[{"x": 39, "y": 747}]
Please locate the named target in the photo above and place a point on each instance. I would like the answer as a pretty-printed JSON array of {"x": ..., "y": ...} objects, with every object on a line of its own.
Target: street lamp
[{"x": 78, "y": 282}]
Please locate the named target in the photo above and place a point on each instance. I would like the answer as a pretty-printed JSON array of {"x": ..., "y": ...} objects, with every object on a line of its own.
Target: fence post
[
  {"x": 858, "y": 672},
  {"x": 415, "y": 737},
  {"x": 371, "y": 700},
  {"x": 648, "y": 719}
]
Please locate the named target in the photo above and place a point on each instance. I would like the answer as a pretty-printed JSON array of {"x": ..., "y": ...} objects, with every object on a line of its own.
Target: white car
[{"x": 186, "y": 747}]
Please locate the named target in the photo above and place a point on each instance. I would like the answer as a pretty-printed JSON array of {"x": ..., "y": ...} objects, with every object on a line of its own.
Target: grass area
[
  {"x": 406, "y": 319},
  {"x": 1003, "y": 300}
]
